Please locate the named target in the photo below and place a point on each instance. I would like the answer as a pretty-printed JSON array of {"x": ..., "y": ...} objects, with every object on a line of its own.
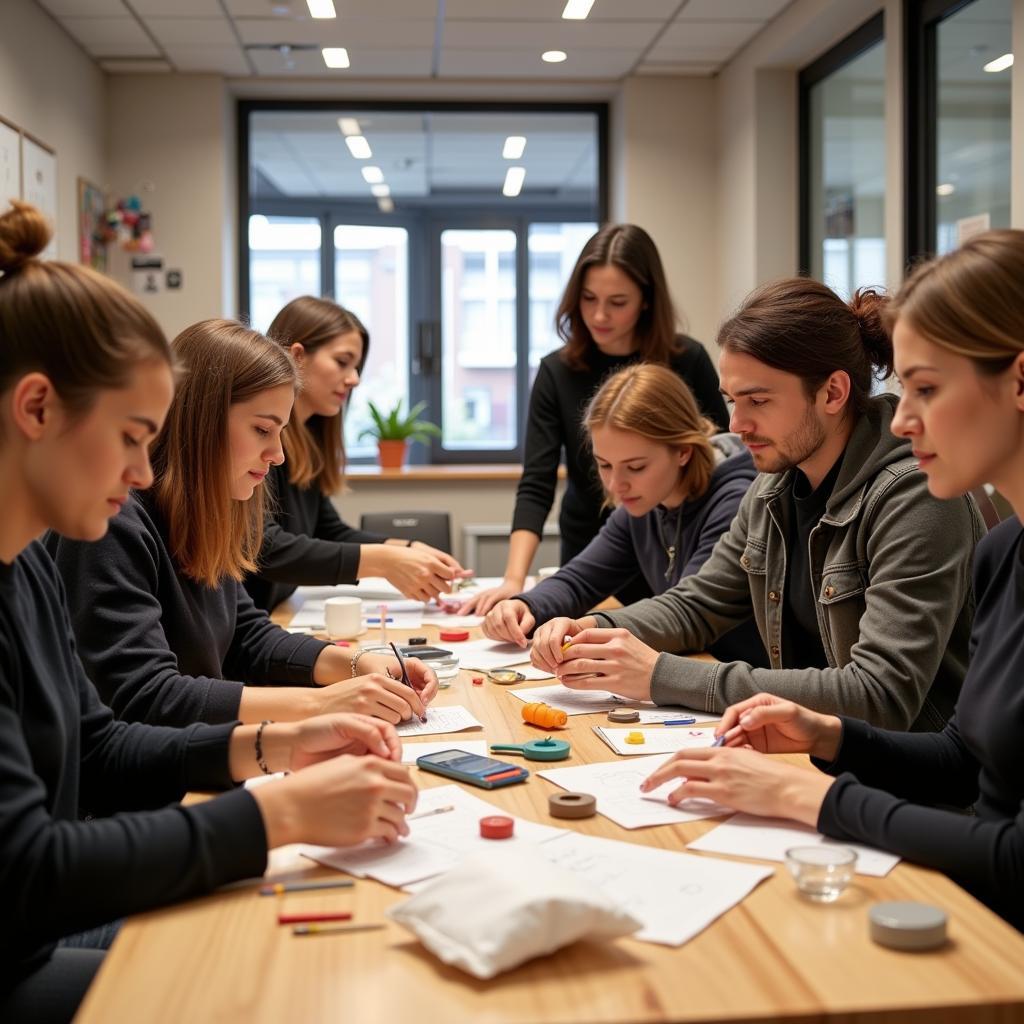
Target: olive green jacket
[{"x": 891, "y": 566}]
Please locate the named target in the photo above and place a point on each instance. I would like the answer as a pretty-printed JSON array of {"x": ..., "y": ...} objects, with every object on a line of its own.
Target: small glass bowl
[{"x": 821, "y": 873}]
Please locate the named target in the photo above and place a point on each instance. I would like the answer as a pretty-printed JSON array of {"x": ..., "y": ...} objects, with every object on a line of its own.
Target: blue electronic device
[{"x": 486, "y": 772}]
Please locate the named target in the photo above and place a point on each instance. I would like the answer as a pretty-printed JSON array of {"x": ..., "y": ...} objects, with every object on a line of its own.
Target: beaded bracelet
[
  {"x": 260, "y": 760},
  {"x": 355, "y": 661}
]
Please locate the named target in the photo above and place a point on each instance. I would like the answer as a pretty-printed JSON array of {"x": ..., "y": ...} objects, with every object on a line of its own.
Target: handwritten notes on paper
[
  {"x": 452, "y": 718},
  {"x": 656, "y": 741},
  {"x": 590, "y": 702}
]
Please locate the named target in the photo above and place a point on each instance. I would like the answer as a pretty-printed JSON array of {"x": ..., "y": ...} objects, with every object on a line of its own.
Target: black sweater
[
  {"x": 885, "y": 777},
  {"x": 554, "y": 424},
  {"x": 306, "y": 544},
  {"x": 159, "y": 646},
  {"x": 62, "y": 753}
]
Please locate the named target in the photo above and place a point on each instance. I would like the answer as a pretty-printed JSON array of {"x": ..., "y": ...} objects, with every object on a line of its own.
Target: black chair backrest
[{"x": 432, "y": 528}]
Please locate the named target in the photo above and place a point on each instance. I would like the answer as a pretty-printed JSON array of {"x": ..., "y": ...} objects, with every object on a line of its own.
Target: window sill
[{"x": 439, "y": 474}]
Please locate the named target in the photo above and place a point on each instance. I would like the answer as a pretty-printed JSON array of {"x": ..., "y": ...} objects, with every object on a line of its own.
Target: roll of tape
[
  {"x": 571, "y": 805},
  {"x": 624, "y": 715},
  {"x": 907, "y": 925}
]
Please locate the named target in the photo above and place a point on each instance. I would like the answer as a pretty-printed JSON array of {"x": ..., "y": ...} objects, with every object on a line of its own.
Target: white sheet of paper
[
  {"x": 435, "y": 843},
  {"x": 410, "y": 751},
  {"x": 451, "y": 718},
  {"x": 769, "y": 838},
  {"x": 662, "y": 740},
  {"x": 616, "y": 786},
  {"x": 653, "y": 716},
  {"x": 675, "y": 895},
  {"x": 488, "y": 654},
  {"x": 593, "y": 702}
]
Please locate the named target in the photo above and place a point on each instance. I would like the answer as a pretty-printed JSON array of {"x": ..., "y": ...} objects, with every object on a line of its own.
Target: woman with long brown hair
[
  {"x": 165, "y": 627},
  {"x": 306, "y": 541},
  {"x": 616, "y": 310},
  {"x": 85, "y": 384},
  {"x": 675, "y": 489}
]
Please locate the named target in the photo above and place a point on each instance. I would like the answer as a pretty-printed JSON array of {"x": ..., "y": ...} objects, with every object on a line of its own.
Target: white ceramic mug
[{"x": 343, "y": 617}]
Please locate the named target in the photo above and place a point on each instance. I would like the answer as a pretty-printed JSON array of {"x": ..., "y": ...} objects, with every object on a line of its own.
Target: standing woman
[
  {"x": 616, "y": 310},
  {"x": 164, "y": 626},
  {"x": 675, "y": 491},
  {"x": 959, "y": 343},
  {"x": 306, "y": 542},
  {"x": 85, "y": 383}
]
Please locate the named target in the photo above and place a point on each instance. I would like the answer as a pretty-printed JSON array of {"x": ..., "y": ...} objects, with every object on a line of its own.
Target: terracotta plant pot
[{"x": 391, "y": 454}]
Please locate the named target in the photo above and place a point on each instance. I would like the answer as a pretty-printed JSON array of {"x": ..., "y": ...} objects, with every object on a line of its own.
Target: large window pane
[
  {"x": 284, "y": 263},
  {"x": 371, "y": 278},
  {"x": 972, "y": 170},
  {"x": 846, "y": 187},
  {"x": 478, "y": 339}
]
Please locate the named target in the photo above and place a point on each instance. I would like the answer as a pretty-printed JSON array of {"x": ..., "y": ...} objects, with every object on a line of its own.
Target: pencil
[
  {"x": 330, "y": 929},
  {"x": 280, "y": 887},
  {"x": 427, "y": 814},
  {"x": 314, "y": 915}
]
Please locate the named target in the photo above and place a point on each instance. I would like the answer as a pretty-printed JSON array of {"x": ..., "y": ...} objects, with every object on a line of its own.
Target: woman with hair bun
[
  {"x": 835, "y": 550},
  {"x": 959, "y": 342},
  {"x": 675, "y": 489},
  {"x": 90, "y": 827}
]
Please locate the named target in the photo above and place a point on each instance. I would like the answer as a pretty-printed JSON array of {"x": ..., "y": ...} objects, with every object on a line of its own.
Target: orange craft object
[{"x": 544, "y": 715}]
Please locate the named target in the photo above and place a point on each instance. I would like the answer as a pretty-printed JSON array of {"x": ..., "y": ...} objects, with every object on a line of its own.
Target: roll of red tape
[
  {"x": 452, "y": 635},
  {"x": 496, "y": 826}
]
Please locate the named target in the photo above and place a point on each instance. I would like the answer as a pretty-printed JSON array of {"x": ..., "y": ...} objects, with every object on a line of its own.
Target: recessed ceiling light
[
  {"x": 514, "y": 178},
  {"x": 386, "y": 204},
  {"x": 380, "y": 191},
  {"x": 335, "y": 56},
  {"x": 577, "y": 10},
  {"x": 358, "y": 147},
  {"x": 1000, "y": 63},
  {"x": 514, "y": 146},
  {"x": 349, "y": 126},
  {"x": 372, "y": 174},
  {"x": 553, "y": 56},
  {"x": 321, "y": 8},
  {"x": 945, "y": 189}
]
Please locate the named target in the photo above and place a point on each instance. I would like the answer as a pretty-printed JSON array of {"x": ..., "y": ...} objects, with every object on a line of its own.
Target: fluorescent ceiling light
[
  {"x": 372, "y": 175},
  {"x": 349, "y": 126},
  {"x": 358, "y": 147},
  {"x": 321, "y": 9},
  {"x": 380, "y": 190},
  {"x": 335, "y": 56},
  {"x": 514, "y": 146},
  {"x": 577, "y": 10},
  {"x": 387, "y": 205},
  {"x": 553, "y": 56},
  {"x": 945, "y": 189},
  {"x": 1000, "y": 63},
  {"x": 514, "y": 178}
]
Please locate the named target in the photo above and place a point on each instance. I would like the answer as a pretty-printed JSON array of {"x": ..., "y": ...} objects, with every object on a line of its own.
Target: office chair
[{"x": 432, "y": 528}]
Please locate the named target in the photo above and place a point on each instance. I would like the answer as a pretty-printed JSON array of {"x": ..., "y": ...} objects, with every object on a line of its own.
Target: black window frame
[{"x": 424, "y": 267}]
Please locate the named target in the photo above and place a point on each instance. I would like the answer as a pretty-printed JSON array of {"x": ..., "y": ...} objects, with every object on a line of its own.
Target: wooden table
[{"x": 775, "y": 957}]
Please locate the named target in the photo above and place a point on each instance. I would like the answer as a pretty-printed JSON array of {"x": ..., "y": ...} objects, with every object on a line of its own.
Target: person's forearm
[
  {"x": 826, "y": 746},
  {"x": 803, "y": 796},
  {"x": 333, "y": 663},
  {"x": 277, "y": 703},
  {"x": 522, "y": 546},
  {"x": 275, "y": 746}
]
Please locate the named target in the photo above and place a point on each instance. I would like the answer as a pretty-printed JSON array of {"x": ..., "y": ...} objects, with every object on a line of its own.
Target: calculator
[{"x": 486, "y": 772}]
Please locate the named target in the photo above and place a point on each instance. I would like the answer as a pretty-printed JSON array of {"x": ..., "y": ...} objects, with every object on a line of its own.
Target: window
[
  {"x": 842, "y": 116},
  {"x": 397, "y": 211}
]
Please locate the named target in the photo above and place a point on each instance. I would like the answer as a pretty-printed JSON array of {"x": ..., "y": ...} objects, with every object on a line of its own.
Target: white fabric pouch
[{"x": 498, "y": 910}]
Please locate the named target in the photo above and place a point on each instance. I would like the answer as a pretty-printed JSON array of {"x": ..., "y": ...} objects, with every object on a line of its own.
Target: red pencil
[{"x": 310, "y": 915}]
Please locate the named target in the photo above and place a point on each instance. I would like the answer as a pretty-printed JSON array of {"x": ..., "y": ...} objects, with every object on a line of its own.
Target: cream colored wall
[
  {"x": 52, "y": 90},
  {"x": 169, "y": 140}
]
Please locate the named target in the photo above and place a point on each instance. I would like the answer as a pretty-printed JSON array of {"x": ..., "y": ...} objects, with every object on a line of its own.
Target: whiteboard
[
  {"x": 39, "y": 185},
  {"x": 10, "y": 165}
]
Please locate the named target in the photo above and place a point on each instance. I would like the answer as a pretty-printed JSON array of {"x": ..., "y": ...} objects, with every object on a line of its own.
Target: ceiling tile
[
  {"x": 191, "y": 31},
  {"x": 85, "y": 8},
  {"x": 551, "y": 10},
  {"x": 365, "y": 64},
  {"x": 709, "y": 33},
  {"x": 349, "y": 33},
  {"x": 560, "y": 35},
  {"x": 177, "y": 9},
  {"x": 730, "y": 10},
  {"x": 228, "y": 60},
  {"x": 111, "y": 37},
  {"x": 695, "y": 68},
  {"x": 388, "y": 10},
  {"x": 478, "y": 63}
]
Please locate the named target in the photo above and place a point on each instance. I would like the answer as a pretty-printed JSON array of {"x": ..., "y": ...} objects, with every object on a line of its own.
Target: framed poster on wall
[
  {"x": 10, "y": 163},
  {"x": 92, "y": 245},
  {"x": 39, "y": 183}
]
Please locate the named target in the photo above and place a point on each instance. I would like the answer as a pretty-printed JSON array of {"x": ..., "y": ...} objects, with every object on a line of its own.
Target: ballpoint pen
[{"x": 405, "y": 674}]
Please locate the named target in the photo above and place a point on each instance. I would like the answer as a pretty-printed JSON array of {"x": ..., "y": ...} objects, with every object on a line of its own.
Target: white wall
[{"x": 52, "y": 90}]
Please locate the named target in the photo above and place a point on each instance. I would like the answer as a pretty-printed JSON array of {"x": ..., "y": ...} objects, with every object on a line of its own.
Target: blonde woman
[
  {"x": 165, "y": 627},
  {"x": 675, "y": 490}
]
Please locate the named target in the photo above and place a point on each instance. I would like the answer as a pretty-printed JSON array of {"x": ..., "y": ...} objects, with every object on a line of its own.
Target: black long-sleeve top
[
  {"x": 305, "y": 544},
  {"x": 160, "y": 647},
  {"x": 554, "y": 424},
  {"x": 885, "y": 778},
  {"x": 62, "y": 754}
]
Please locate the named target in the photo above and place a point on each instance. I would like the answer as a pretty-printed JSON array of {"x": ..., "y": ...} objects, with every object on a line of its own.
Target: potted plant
[{"x": 394, "y": 430}]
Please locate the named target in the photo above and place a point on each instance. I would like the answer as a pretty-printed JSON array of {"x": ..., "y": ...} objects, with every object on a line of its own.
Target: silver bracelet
[{"x": 355, "y": 661}]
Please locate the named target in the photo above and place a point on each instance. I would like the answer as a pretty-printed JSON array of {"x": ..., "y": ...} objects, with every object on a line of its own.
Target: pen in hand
[{"x": 405, "y": 674}]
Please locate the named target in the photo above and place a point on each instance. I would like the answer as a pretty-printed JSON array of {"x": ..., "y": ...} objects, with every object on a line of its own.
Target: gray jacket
[{"x": 892, "y": 569}]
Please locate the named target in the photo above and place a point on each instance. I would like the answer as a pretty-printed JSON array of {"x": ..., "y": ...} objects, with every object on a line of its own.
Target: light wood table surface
[{"x": 775, "y": 957}]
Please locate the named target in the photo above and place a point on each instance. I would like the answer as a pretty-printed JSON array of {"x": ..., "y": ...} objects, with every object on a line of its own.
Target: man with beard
[{"x": 858, "y": 579}]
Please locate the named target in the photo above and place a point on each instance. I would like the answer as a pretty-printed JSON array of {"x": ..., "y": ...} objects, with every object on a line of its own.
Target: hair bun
[
  {"x": 868, "y": 306},
  {"x": 24, "y": 234}
]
